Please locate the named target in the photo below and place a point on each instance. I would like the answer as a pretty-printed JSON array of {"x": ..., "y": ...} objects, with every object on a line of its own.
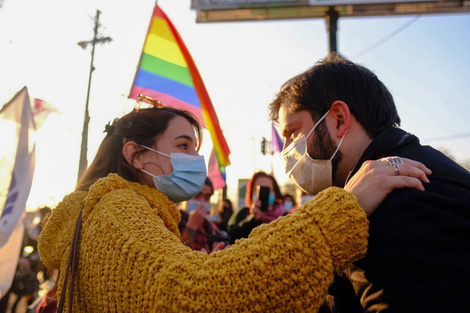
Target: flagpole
[{"x": 83, "y": 164}]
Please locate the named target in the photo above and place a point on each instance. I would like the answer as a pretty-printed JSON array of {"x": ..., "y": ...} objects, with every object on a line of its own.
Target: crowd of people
[{"x": 380, "y": 222}]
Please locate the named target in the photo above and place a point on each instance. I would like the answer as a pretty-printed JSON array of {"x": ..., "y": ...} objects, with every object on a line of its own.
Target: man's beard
[{"x": 322, "y": 147}]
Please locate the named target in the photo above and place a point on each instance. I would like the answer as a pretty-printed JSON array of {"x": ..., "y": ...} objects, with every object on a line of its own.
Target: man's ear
[
  {"x": 129, "y": 150},
  {"x": 340, "y": 112}
]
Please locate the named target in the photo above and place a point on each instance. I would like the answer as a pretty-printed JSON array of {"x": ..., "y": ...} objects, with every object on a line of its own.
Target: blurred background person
[
  {"x": 289, "y": 203},
  {"x": 197, "y": 229},
  {"x": 225, "y": 209},
  {"x": 245, "y": 219}
]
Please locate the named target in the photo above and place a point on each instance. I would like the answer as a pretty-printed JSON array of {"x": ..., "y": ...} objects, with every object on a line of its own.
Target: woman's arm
[{"x": 138, "y": 265}]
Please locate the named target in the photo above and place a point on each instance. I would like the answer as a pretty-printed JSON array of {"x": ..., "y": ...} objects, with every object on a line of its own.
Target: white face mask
[
  {"x": 310, "y": 175},
  {"x": 186, "y": 180}
]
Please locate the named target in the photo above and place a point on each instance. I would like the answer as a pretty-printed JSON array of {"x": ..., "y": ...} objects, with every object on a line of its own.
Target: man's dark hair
[{"x": 335, "y": 78}]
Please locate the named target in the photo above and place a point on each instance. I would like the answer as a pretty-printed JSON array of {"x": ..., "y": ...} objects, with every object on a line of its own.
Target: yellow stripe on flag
[{"x": 165, "y": 50}]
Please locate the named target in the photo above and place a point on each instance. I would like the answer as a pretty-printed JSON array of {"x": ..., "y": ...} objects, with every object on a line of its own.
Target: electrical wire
[
  {"x": 398, "y": 30},
  {"x": 388, "y": 37}
]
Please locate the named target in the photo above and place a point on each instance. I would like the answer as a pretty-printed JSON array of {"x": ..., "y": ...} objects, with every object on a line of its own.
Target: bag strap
[{"x": 71, "y": 265}]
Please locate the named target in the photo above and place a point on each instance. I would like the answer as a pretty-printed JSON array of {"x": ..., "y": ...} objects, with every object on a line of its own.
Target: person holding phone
[{"x": 264, "y": 204}]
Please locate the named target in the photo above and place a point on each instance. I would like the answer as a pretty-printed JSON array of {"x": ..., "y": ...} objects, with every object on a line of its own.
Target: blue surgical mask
[
  {"x": 288, "y": 205},
  {"x": 193, "y": 204},
  {"x": 186, "y": 180},
  {"x": 271, "y": 199}
]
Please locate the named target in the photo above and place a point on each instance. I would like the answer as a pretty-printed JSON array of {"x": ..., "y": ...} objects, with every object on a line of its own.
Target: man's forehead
[
  {"x": 285, "y": 115},
  {"x": 288, "y": 119}
]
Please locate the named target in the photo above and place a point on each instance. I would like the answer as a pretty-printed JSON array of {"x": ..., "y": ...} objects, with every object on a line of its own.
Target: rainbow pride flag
[{"x": 167, "y": 72}]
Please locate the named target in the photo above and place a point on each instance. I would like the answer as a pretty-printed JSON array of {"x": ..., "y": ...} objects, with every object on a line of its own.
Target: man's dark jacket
[{"x": 419, "y": 246}]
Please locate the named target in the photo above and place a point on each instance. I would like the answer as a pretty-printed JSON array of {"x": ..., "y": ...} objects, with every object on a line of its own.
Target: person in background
[
  {"x": 289, "y": 203},
  {"x": 130, "y": 256},
  {"x": 225, "y": 209},
  {"x": 197, "y": 230},
  {"x": 245, "y": 219},
  {"x": 334, "y": 117}
]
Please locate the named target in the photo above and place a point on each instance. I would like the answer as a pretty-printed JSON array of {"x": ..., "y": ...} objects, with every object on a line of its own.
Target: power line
[
  {"x": 388, "y": 37},
  {"x": 453, "y": 137},
  {"x": 398, "y": 30}
]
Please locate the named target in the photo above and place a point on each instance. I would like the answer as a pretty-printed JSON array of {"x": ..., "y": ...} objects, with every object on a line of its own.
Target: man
[{"x": 419, "y": 245}]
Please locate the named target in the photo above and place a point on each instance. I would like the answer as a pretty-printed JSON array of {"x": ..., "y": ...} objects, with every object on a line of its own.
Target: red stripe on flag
[{"x": 206, "y": 103}]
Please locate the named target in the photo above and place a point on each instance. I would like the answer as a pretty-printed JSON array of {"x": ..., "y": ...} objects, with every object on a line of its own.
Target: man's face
[
  {"x": 294, "y": 125},
  {"x": 319, "y": 145}
]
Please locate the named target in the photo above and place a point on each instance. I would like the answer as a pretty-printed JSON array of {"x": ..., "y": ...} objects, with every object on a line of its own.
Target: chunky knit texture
[{"x": 132, "y": 260}]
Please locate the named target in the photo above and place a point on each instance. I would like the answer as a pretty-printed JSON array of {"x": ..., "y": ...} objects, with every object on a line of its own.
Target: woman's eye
[{"x": 183, "y": 146}]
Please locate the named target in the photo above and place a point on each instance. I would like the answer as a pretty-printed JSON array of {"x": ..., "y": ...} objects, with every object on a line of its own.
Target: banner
[
  {"x": 167, "y": 72},
  {"x": 214, "y": 173},
  {"x": 17, "y": 160}
]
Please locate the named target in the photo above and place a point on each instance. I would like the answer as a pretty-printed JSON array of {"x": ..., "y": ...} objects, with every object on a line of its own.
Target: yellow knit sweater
[{"x": 131, "y": 258}]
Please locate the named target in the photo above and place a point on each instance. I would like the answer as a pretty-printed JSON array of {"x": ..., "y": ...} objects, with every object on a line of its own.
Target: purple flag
[{"x": 277, "y": 142}]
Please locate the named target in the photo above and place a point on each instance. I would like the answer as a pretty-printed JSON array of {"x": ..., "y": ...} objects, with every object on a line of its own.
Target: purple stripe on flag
[
  {"x": 168, "y": 100},
  {"x": 173, "y": 88}
]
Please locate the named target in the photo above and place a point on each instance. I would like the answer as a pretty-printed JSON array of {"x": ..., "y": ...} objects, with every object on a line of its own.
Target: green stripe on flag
[{"x": 171, "y": 71}]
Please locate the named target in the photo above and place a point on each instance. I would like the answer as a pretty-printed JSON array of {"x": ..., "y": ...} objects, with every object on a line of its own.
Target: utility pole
[
  {"x": 331, "y": 18},
  {"x": 84, "y": 44}
]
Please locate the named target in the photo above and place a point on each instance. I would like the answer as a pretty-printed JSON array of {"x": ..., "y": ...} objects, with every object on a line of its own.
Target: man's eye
[{"x": 292, "y": 135}]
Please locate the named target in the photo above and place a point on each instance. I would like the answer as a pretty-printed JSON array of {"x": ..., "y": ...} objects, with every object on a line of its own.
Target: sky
[{"x": 425, "y": 65}]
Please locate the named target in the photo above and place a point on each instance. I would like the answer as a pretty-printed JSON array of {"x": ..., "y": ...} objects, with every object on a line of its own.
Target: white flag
[{"x": 17, "y": 158}]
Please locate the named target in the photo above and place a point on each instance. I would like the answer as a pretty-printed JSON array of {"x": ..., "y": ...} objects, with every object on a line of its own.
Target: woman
[
  {"x": 197, "y": 230},
  {"x": 225, "y": 209},
  {"x": 244, "y": 220},
  {"x": 131, "y": 259},
  {"x": 289, "y": 203}
]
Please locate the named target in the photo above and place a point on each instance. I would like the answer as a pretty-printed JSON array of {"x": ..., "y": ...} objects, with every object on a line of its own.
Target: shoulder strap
[{"x": 71, "y": 265}]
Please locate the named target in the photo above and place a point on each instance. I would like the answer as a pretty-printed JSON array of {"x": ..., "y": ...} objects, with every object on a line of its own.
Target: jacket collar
[{"x": 390, "y": 142}]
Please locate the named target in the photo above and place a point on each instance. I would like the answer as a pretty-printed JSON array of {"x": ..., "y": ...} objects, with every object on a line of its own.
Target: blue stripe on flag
[{"x": 161, "y": 84}]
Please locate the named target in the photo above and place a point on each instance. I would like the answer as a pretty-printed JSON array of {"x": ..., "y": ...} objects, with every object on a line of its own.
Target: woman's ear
[
  {"x": 129, "y": 150},
  {"x": 342, "y": 115}
]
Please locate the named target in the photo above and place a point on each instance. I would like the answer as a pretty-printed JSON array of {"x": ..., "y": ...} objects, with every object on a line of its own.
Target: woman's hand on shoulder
[{"x": 376, "y": 179}]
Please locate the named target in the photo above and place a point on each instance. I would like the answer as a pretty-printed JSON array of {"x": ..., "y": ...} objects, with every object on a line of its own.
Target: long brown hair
[{"x": 143, "y": 126}]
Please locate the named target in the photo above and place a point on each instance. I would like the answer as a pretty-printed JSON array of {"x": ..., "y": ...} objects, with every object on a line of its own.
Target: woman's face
[
  {"x": 178, "y": 138},
  {"x": 262, "y": 181}
]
